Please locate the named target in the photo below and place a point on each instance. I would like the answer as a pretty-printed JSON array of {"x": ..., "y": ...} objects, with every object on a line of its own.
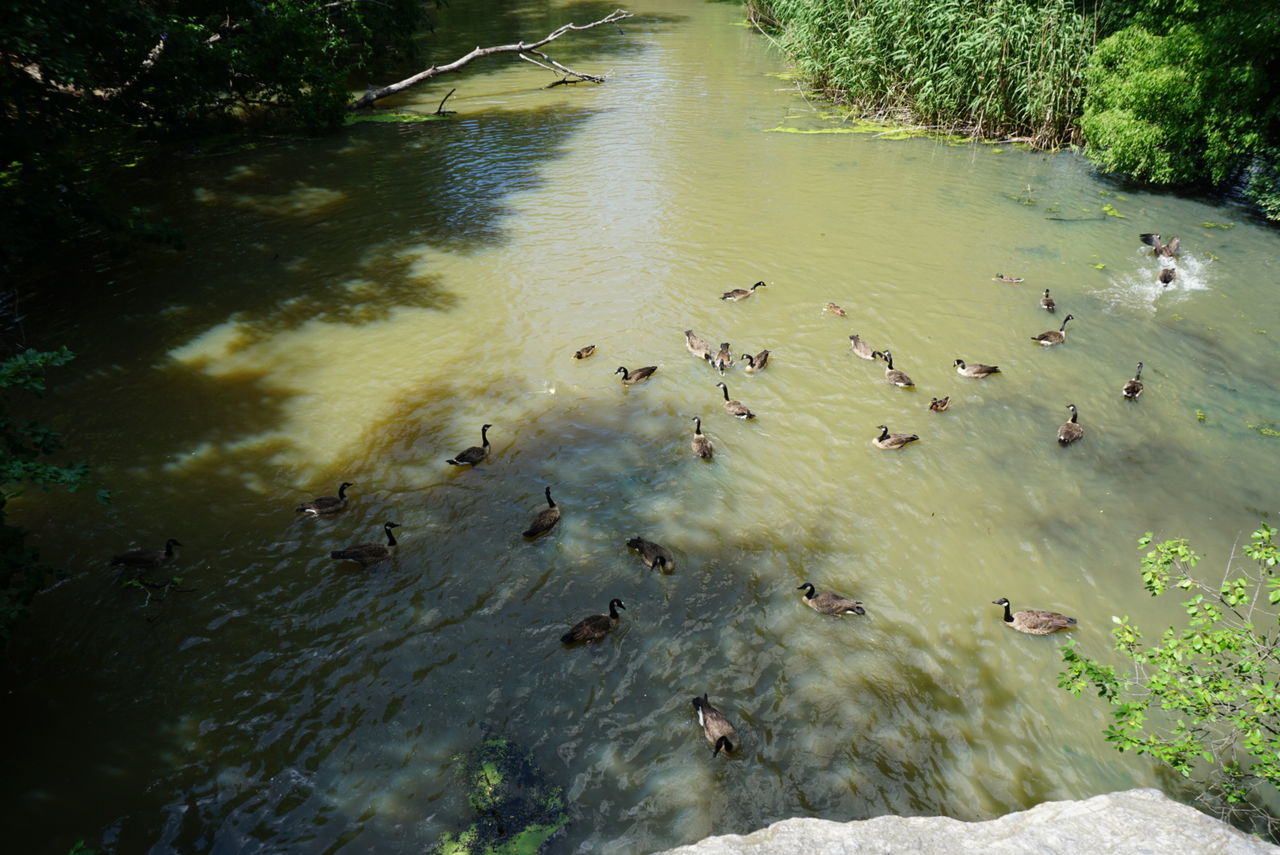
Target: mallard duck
[
  {"x": 719, "y": 732},
  {"x": 653, "y": 555},
  {"x": 861, "y": 348},
  {"x": 1034, "y": 621},
  {"x": 1052, "y": 337},
  {"x": 1168, "y": 250},
  {"x": 735, "y": 408},
  {"x": 1013, "y": 280},
  {"x": 327, "y": 504},
  {"x": 1047, "y": 303},
  {"x": 939, "y": 405},
  {"x": 696, "y": 345},
  {"x": 830, "y": 604},
  {"x": 594, "y": 627},
  {"x": 143, "y": 558},
  {"x": 1133, "y": 388},
  {"x": 835, "y": 310},
  {"x": 584, "y": 352},
  {"x": 1072, "y": 429},
  {"x": 740, "y": 293},
  {"x": 630, "y": 378},
  {"x": 755, "y": 363},
  {"x": 1167, "y": 275},
  {"x": 546, "y": 518},
  {"x": 893, "y": 375},
  {"x": 977, "y": 369},
  {"x": 701, "y": 445},
  {"x": 475, "y": 453},
  {"x": 366, "y": 554},
  {"x": 723, "y": 359},
  {"x": 891, "y": 441}
]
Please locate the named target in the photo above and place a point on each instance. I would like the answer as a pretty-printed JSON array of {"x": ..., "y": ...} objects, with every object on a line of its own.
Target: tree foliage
[{"x": 1204, "y": 699}]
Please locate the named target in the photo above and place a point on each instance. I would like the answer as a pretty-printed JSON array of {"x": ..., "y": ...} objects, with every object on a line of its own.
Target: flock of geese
[{"x": 717, "y": 728}]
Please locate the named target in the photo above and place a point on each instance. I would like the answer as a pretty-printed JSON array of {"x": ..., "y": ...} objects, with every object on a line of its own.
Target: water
[{"x": 354, "y": 308}]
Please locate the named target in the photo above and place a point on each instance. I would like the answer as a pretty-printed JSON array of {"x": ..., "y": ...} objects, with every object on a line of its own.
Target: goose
[
  {"x": 891, "y": 441},
  {"x": 1168, "y": 250},
  {"x": 584, "y": 352},
  {"x": 1033, "y": 621},
  {"x": 893, "y": 375},
  {"x": 546, "y": 518},
  {"x": 735, "y": 408},
  {"x": 835, "y": 310},
  {"x": 977, "y": 369},
  {"x": 715, "y": 726},
  {"x": 1013, "y": 280},
  {"x": 1070, "y": 430},
  {"x": 1047, "y": 303},
  {"x": 594, "y": 627},
  {"x": 630, "y": 378},
  {"x": 653, "y": 555},
  {"x": 701, "y": 445},
  {"x": 740, "y": 293},
  {"x": 939, "y": 405},
  {"x": 696, "y": 345},
  {"x": 143, "y": 558},
  {"x": 755, "y": 363},
  {"x": 861, "y": 348},
  {"x": 1052, "y": 337},
  {"x": 1133, "y": 388},
  {"x": 327, "y": 504},
  {"x": 1167, "y": 275},
  {"x": 475, "y": 453},
  {"x": 828, "y": 603},
  {"x": 723, "y": 359},
  {"x": 366, "y": 554}
]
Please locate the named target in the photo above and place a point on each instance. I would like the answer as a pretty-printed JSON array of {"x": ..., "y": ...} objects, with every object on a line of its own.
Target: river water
[{"x": 356, "y": 307}]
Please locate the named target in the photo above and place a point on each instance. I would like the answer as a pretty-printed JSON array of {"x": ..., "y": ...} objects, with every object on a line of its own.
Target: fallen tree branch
[
  {"x": 519, "y": 48},
  {"x": 551, "y": 65}
]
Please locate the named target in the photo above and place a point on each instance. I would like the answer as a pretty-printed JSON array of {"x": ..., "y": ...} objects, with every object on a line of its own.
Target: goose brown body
[
  {"x": 828, "y": 603},
  {"x": 755, "y": 363},
  {"x": 143, "y": 558},
  {"x": 1133, "y": 388},
  {"x": 701, "y": 445},
  {"x": 1072, "y": 429},
  {"x": 861, "y": 348},
  {"x": 696, "y": 345},
  {"x": 1034, "y": 621},
  {"x": 654, "y": 555},
  {"x": 893, "y": 375},
  {"x": 723, "y": 359},
  {"x": 327, "y": 504},
  {"x": 1047, "y": 303},
  {"x": 366, "y": 554},
  {"x": 546, "y": 518},
  {"x": 630, "y": 378},
  {"x": 594, "y": 627},
  {"x": 740, "y": 293},
  {"x": 1159, "y": 248},
  {"x": 1167, "y": 275},
  {"x": 735, "y": 407},
  {"x": 976, "y": 370},
  {"x": 715, "y": 727},
  {"x": 474, "y": 454},
  {"x": 1048, "y": 338},
  {"x": 892, "y": 441}
]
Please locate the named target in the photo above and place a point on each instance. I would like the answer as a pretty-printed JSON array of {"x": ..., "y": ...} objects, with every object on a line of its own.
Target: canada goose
[
  {"x": 1034, "y": 621},
  {"x": 893, "y": 375},
  {"x": 715, "y": 726},
  {"x": 755, "y": 363},
  {"x": 835, "y": 310},
  {"x": 1167, "y": 275},
  {"x": 327, "y": 504},
  {"x": 701, "y": 445},
  {"x": 1070, "y": 430},
  {"x": 735, "y": 408},
  {"x": 143, "y": 558},
  {"x": 861, "y": 348},
  {"x": 1000, "y": 277},
  {"x": 1047, "y": 303},
  {"x": 828, "y": 603},
  {"x": 365, "y": 554},
  {"x": 1133, "y": 388},
  {"x": 1168, "y": 250},
  {"x": 939, "y": 405},
  {"x": 546, "y": 518},
  {"x": 595, "y": 627},
  {"x": 475, "y": 453},
  {"x": 977, "y": 369},
  {"x": 584, "y": 352},
  {"x": 1052, "y": 337},
  {"x": 630, "y": 378},
  {"x": 653, "y": 555},
  {"x": 740, "y": 293},
  {"x": 723, "y": 359},
  {"x": 893, "y": 440},
  {"x": 696, "y": 345}
]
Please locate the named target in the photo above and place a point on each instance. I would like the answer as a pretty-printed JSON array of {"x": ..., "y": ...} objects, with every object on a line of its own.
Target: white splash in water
[{"x": 1140, "y": 288}]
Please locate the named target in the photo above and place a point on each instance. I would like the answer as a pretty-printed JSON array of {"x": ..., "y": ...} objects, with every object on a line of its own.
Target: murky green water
[{"x": 354, "y": 308}]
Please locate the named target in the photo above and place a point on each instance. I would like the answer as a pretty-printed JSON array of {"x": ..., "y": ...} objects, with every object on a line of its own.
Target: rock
[{"x": 1133, "y": 822}]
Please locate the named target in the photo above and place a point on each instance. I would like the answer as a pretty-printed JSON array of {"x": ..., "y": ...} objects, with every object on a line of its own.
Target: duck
[
  {"x": 1013, "y": 280},
  {"x": 701, "y": 445},
  {"x": 696, "y": 345},
  {"x": 475, "y": 453},
  {"x": 723, "y": 359},
  {"x": 327, "y": 504},
  {"x": 1072, "y": 429},
  {"x": 1047, "y": 303},
  {"x": 1168, "y": 250},
  {"x": 893, "y": 375},
  {"x": 654, "y": 556},
  {"x": 719, "y": 732},
  {"x": 735, "y": 408},
  {"x": 939, "y": 405},
  {"x": 891, "y": 441},
  {"x": 546, "y": 518},
  {"x": 1133, "y": 388},
  {"x": 584, "y": 352},
  {"x": 594, "y": 627},
  {"x": 143, "y": 558},
  {"x": 861, "y": 348},
  {"x": 366, "y": 554},
  {"x": 1033, "y": 621},
  {"x": 755, "y": 363},
  {"x": 835, "y": 310},
  {"x": 977, "y": 370},
  {"x": 631, "y": 378},
  {"x": 740, "y": 293},
  {"x": 1167, "y": 275},
  {"x": 828, "y": 603},
  {"x": 1052, "y": 337}
]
